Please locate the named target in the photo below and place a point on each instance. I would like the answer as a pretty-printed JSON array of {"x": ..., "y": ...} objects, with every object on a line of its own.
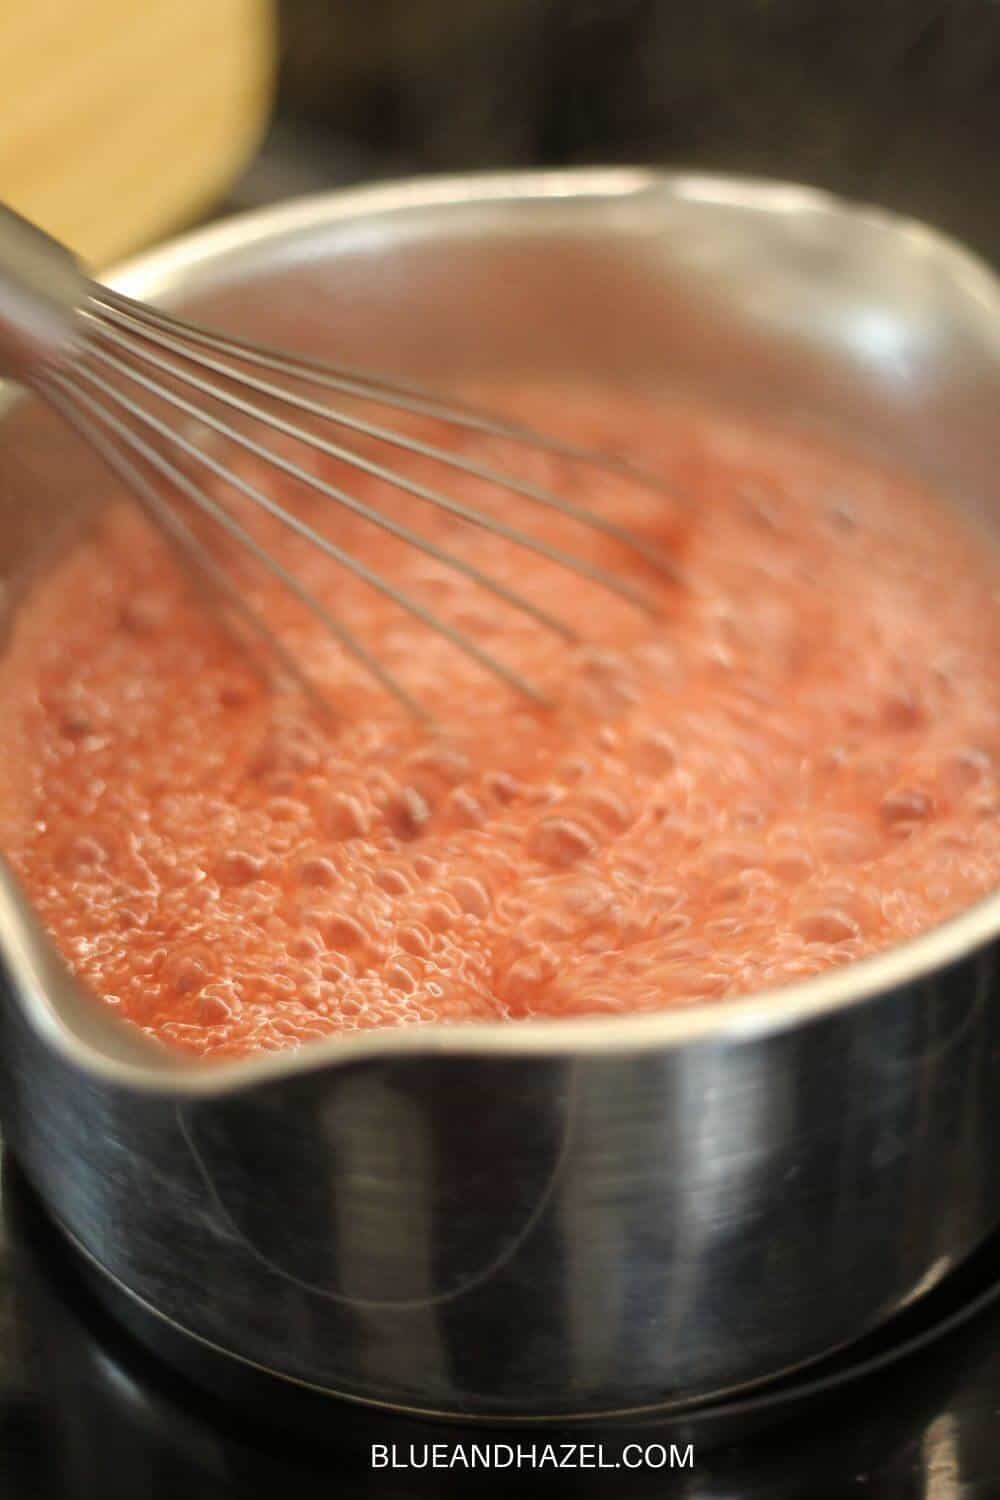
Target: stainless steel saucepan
[{"x": 564, "y": 1217}]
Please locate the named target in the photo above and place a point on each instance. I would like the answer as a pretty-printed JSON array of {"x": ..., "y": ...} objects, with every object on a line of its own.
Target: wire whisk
[{"x": 101, "y": 360}]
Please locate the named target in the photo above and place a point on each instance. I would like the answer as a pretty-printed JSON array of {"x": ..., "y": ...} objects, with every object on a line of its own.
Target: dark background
[{"x": 896, "y": 101}]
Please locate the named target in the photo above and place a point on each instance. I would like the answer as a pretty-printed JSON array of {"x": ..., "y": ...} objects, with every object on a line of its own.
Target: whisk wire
[
  {"x": 411, "y": 445},
  {"x": 66, "y": 400},
  {"x": 406, "y": 601},
  {"x": 98, "y": 357},
  {"x": 332, "y": 492},
  {"x": 341, "y": 497},
  {"x": 402, "y": 395}
]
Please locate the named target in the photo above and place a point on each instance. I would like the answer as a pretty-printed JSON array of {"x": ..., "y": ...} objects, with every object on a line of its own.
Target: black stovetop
[{"x": 87, "y": 1412}]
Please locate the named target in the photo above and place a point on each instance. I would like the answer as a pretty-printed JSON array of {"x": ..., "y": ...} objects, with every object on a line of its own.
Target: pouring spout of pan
[{"x": 53, "y": 1001}]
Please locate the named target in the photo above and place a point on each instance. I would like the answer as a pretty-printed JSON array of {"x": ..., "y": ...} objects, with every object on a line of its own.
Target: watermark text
[{"x": 532, "y": 1456}]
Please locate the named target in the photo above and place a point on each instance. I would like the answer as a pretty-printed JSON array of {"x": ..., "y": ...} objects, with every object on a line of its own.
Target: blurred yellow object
[{"x": 122, "y": 119}]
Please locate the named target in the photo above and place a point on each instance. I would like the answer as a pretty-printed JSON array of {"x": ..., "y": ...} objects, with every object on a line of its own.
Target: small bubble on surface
[
  {"x": 791, "y": 865},
  {"x": 407, "y": 813},
  {"x": 847, "y": 842},
  {"x": 305, "y": 944},
  {"x": 345, "y": 817},
  {"x": 471, "y": 895},
  {"x": 345, "y": 933},
  {"x": 464, "y": 808},
  {"x": 86, "y": 852},
  {"x": 216, "y": 1005},
  {"x": 610, "y": 808},
  {"x": 414, "y": 939},
  {"x": 558, "y": 841},
  {"x": 239, "y": 866},
  {"x": 392, "y": 881},
  {"x": 830, "y": 926},
  {"x": 317, "y": 870},
  {"x": 906, "y": 804},
  {"x": 503, "y": 786}
]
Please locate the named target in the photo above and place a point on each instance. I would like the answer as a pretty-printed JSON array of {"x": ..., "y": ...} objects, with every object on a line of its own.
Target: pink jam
[{"x": 793, "y": 765}]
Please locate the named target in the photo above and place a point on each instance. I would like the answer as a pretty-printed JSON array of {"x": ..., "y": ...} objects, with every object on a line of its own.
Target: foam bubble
[{"x": 560, "y": 842}]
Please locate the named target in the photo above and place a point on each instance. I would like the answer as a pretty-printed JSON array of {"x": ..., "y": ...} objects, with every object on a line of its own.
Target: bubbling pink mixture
[{"x": 793, "y": 765}]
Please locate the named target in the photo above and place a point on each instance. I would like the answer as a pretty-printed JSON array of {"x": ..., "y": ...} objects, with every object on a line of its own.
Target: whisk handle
[{"x": 42, "y": 289}]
